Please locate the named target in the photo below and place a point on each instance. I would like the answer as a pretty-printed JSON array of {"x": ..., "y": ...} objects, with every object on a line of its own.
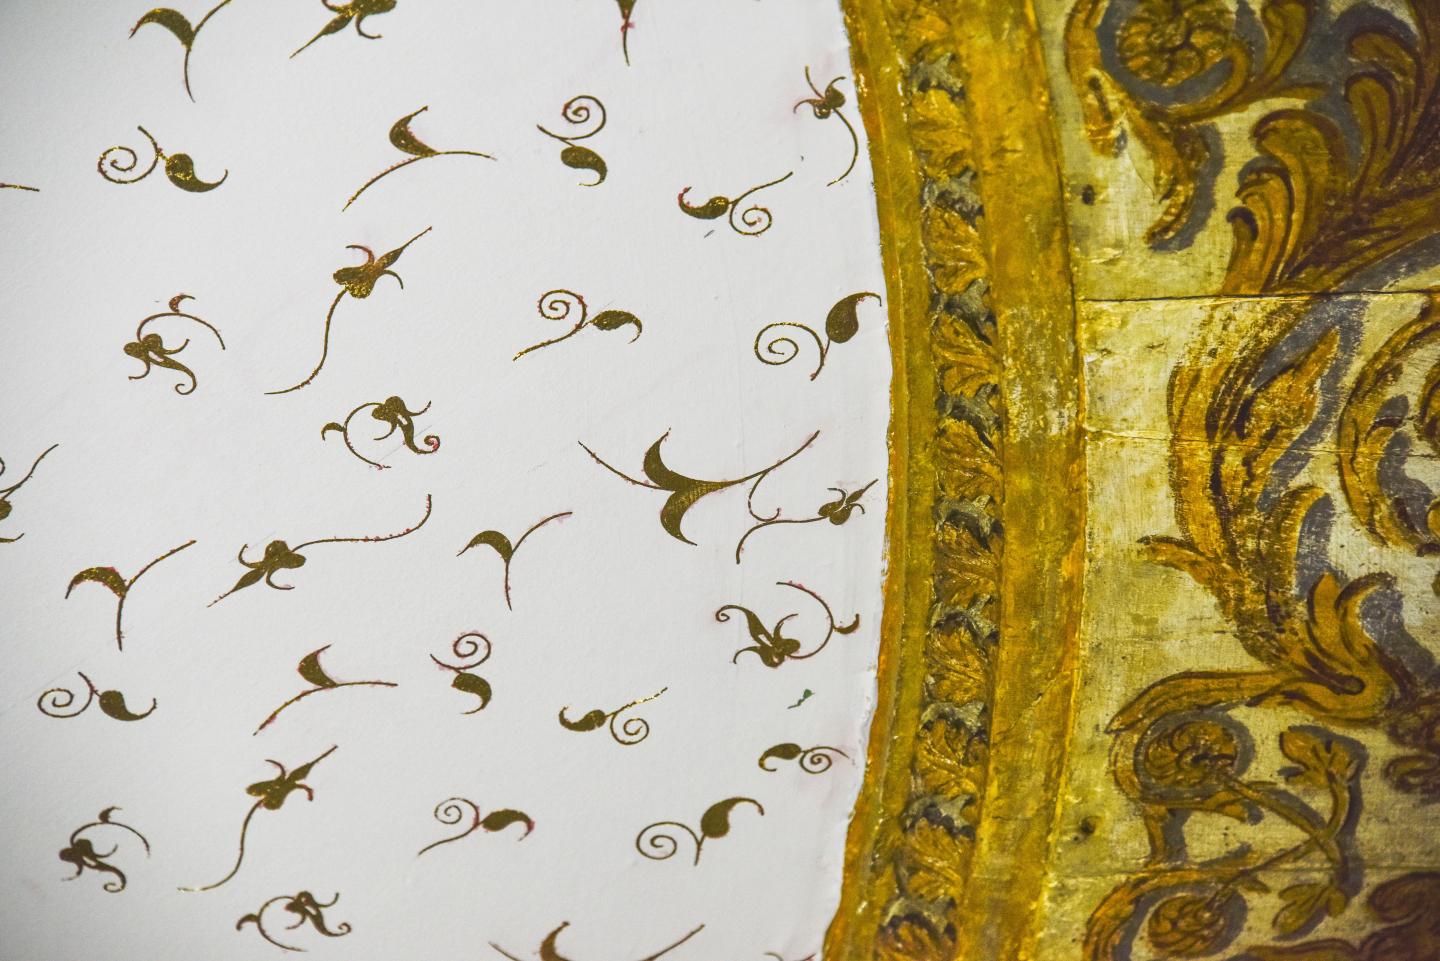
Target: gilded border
[{"x": 955, "y": 817}]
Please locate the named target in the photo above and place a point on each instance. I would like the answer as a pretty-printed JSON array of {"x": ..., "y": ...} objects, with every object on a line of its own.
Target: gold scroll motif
[{"x": 1338, "y": 197}]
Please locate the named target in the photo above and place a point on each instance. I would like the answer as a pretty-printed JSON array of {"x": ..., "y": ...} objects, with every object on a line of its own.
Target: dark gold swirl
[
  {"x": 841, "y": 325},
  {"x": 828, "y": 104},
  {"x": 393, "y": 412},
  {"x": 754, "y": 219},
  {"x": 59, "y": 701},
  {"x": 501, "y": 545},
  {"x": 81, "y": 853},
  {"x": 549, "y": 952},
  {"x": 151, "y": 350},
  {"x": 280, "y": 556},
  {"x": 405, "y": 140},
  {"x": 305, "y": 908},
  {"x": 270, "y": 795},
  {"x": 812, "y": 760},
  {"x": 630, "y": 731},
  {"x": 118, "y": 164},
  {"x": 111, "y": 580},
  {"x": 466, "y": 649},
  {"x": 359, "y": 282},
  {"x": 655, "y": 843},
  {"x": 771, "y": 645},
  {"x": 557, "y": 305},
  {"x": 355, "y": 11},
  {"x": 456, "y": 810},
  {"x": 577, "y": 111}
]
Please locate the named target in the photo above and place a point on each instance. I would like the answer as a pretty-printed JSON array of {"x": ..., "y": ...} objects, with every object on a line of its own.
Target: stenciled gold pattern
[
  {"x": 501, "y": 545},
  {"x": 811, "y": 760},
  {"x": 59, "y": 702},
  {"x": 403, "y": 139},
  {"x": 396, "y": 416},
  {"x": 150, "y": 349},
  {"x": 771, "y": 645},
  {"x": 111, "y": 579},
  {"x": 466, "y": 649},
  {"x": 576, "y": 112},
  {"x": 359, "y": 282},
  {"x": 81, "y": 853},
  {"x": 557, "y": 304},
  {"x": 271, "y": 796},
  {"x": 310, "y": 670},
  {"x": 179, "y": 25},
  {"x": 630, "y": 731},
  {"x": 280, "y": 556},
  {"x": 355, "y": 11},
  {"x": 841, "y": 324},
  {"x": 549, "y": 952},
  {"x": 657, "y": 845},
  {"x": 753, "y": 221},
  {"x": 305, "y": 908},
  {"x": 7, "y": 492},
  {"x": 825, "y": 105},
  {"x": 118, "y": 165},
  {"x": 456, "y": 810}
]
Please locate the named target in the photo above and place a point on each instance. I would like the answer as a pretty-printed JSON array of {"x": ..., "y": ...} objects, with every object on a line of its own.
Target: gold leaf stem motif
[
  {"x": 657, "y": 845},
  {"x": 359, "y": 282},
  {"x": 310, "y": 670},
  {"x": 466, "y": 649},
  {"x": 577, "y": 111},
  {"x": 812, "y": 760},
  {"x": 117, "y": 165},
  {"x": 151, "y": 351},
  {"x": 345, "y": 13},
  {"x": 59, "y": 702},
  {"x": 305, "y": 909},
  {"x": 7, "y": 492},
  {"x": 501, "y": 545},
  {"x": 825, "y": 105},
  {"x": 631, "y": 731},
  {"x": 456, "y": 810},
  {"x": 81, "y": 853},
  {"x": 403, "y": 139},
  {"x": 685, "y": 492},
  {"x": 841, "y": 324},
  {"x": 33, "y": 190},
  {"x": 393, "y": 413},
  {"x": 270, "y": 795},
  {"x": 754, "y": 219},
  {"x": 179, "y": 25},
  {"x": 280, "y": 556},
  {"x": 110, "y": 578},
  {"x": 549, "y": 952},
  {"x": 771, "y": 645},
  {"x": 557, "y": 304}
]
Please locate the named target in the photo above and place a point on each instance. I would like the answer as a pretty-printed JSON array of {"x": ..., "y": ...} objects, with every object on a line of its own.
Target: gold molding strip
[
  {"x": 1044, "y": 498},
  {"x": 961, "y": 771}
]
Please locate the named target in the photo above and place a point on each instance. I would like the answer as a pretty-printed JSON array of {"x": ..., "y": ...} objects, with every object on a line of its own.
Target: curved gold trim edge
[{"x": 950, "y": 839}]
